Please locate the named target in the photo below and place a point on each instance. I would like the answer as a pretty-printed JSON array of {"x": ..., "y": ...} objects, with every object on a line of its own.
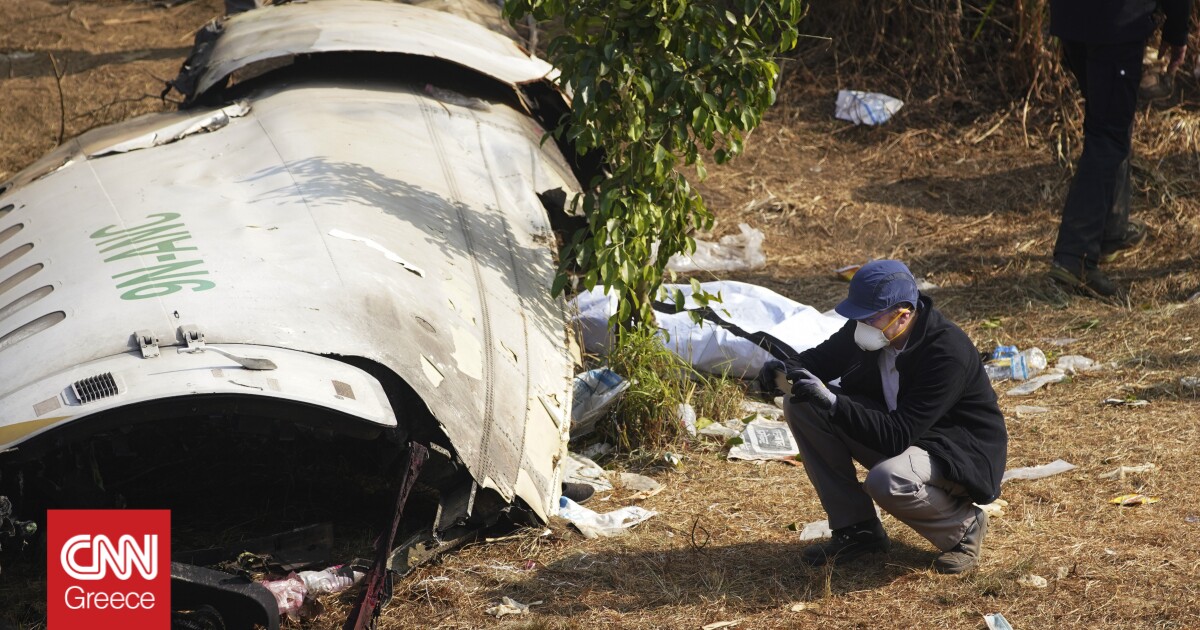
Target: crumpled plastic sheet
[
  {"x": 736, "y": 252},
  {"x": 579, "y": 469},
  {"x": 594, "y": 525},
  {"x": 1037, "y": 472},
  {"x": 866, "y": 108},
  {"x": 594, "y": 392}
]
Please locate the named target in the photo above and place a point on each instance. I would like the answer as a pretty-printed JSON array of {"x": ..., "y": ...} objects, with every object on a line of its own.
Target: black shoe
[
  {"x": 849, "y": 543},
  {"x": 965, "y": 556},
  {"x": 577, "y": 492},
  {"x": 1135, "y": 235},
  {"x": 1089, "y": 282}
]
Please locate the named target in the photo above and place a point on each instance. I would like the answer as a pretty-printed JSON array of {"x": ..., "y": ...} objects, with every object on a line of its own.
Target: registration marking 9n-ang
[{"x": 165, "y": 241}]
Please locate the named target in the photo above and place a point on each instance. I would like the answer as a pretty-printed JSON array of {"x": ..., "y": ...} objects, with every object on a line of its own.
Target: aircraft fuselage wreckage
[{"x": 334, "y": 251}]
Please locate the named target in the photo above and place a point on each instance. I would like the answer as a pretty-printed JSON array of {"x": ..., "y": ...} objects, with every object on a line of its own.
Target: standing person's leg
[
  {"x": 1108, "y": 76},
  {"x": 913, "y": 487}
]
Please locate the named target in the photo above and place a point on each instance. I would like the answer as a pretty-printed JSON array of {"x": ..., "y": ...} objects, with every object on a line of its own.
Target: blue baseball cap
[{"x": 876, "y": 287}]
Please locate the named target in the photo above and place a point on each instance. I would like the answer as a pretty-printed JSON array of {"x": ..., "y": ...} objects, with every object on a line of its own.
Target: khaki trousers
[{"x": 910, "y": 486}]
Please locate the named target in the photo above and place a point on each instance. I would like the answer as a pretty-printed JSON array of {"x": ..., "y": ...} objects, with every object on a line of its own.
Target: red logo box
[{"x": 108, "y": 569}]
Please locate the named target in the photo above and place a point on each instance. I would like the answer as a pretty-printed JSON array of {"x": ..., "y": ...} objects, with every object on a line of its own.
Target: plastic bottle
[
  {"x": 1018, "y": 366},
  {"x": 332, "y": 580}
]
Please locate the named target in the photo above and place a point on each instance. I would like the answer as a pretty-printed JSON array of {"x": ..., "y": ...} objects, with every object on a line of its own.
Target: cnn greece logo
[
  {"x": 108, "y": 569},
  {"x": 122, "y": 557}
]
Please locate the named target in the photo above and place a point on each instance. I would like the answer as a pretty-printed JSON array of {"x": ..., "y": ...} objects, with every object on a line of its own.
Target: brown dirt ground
[{"x": 970, "y": 202}]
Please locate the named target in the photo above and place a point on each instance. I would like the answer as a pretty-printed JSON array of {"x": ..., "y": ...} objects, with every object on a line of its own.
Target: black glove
[
  {"x": 766, "y": 376},
  {"x": 808, "y": 388}
]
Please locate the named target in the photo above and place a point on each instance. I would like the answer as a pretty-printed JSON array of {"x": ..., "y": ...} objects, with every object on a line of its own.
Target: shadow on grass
[{"x": 767, "y": 574}]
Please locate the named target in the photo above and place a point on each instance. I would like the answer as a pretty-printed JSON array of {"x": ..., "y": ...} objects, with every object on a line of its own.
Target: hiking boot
[
  {"x": 577, "y": 492},
  {"x": 1089, "y": 282},
  {"x": 848, "y": 543},
  {"x": 965, "y": 555},
  {"x": 1135, "y": 235}
]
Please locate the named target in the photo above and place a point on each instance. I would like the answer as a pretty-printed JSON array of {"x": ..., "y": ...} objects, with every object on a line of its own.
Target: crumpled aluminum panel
[
  {"x": 319, "y": 26},
  {"x": 357, "y": 220}
]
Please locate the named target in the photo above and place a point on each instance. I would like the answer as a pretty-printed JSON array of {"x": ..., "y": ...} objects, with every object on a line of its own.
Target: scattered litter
[
  {"x": 672, "y": 460},
  {"x": 866, "y": 108},
  {"x": 721, "y": 624},
  {"x": 1035, "y": 581},
  {"x": 762, "y": 410},
  {"x": 1036, "y": 383},
  {"x": 595, "y": 391},
  {"x": 722, "y": 431},
  {"x": 454, "y": 98},
  {"x": 687, "y": 417},
  {"x": 642, "y": 486},
  {"x": 803, "y": 606},
  {"x": 289, "y": 594},
  {"x": 1126, "y": 500},
  {"x": 1195, "y": 296},
  {"x": 1191, "y": 518},
  {"x": 1038, "y": 472},
  {"x": 579, "y": 469},
  {"x": 1030, "y": 410},
  {"x": 597, "y": 450},
  {"x": 926, "y": 286},
  {"x": 1190, "y": 382},
  {"x": 847, "y": 273},
  {"x": 1009, "y": 363},
  {"x": 335, "y": 579},
  {"x": 1074, "y": 364},
  {"x": 1126, "y": 402},
  {"x": 1063, "y": 572},
  {"x": 765, "y": 440},
  {"x": 736, "y": 252},
  {"x": 816, "y": 531},
  {"x": 593, "y": 525},
  {"x": 1060, "y": 341},
  {"x": 995, "y": 509},
  {"x": 1121, "y": 471},
  {"x": 387, "y": 253},
  {"x": 509, "y": 606},
  {"x": 996, "y": 621}
]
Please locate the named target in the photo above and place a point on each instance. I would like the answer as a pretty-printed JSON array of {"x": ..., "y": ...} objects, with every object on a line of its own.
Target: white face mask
[{"x": 869, "y": 338}]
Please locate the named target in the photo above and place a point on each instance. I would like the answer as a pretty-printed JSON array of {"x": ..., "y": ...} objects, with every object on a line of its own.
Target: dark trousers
[{"x": 1097, "y": 208}]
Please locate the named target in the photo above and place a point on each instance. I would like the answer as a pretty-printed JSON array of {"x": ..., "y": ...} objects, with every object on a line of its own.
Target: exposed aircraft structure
[{"x": 339, "y": 234}]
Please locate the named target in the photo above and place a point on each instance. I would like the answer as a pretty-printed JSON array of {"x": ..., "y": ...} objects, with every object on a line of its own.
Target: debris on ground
[
  {"x": 1075, "y": 363},
  {"x": 866, "y": 108},
  {"x": 1127, "y": 500},
  {"x": 642, "y": 486},
  {"x": 736, "y": 252},
  {"x": 765, "y": 440},
  {"x": 509, "y": 606},
  {"x": 1190, "y": 382},
  {"x": 1126, "y": 402},
  {"x": 580, "y": 469},
  {"x": 723, "y": 431},
  {"x": 1029, "y": 410},
  {"x": 721, "y": 624},
  {"x": 1034, "y": 581},
  {"x": 996, "y": 621},
  {"x": 1008, "y": 362},
  {"x": 1032, "y": 385},
  {"x": 593, "y": 525},
  {"x": 803, "y": 606},
  {"x": 289, "y": 594},
  {"x": 1121, "y": 471},
  {"x": 595, "y": 391},
  {"x": 335, "y": 579},
  {"x": 847, "y": 273},
  {"x": 1038, "y": 472},
  {"x": 687, "y": 417}
]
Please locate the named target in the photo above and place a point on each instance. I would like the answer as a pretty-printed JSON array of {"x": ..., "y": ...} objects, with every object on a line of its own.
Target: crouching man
[{"x": 913, "y": 406}]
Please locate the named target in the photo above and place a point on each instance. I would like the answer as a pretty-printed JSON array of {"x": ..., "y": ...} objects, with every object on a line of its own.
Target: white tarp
[{"x": 707, "y": 346}]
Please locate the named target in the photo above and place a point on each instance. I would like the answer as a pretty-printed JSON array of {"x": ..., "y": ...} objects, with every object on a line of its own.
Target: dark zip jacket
[
  {"x": 945, "y": 403},
  {"x": 1118, "y": 21}
]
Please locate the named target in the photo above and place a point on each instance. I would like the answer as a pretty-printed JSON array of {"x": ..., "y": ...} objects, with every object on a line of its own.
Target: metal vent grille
[{"x": 95, "y": 387}]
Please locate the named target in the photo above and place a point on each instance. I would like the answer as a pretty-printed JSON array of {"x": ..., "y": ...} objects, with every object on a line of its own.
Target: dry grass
[{"x": 967, "y": 191}]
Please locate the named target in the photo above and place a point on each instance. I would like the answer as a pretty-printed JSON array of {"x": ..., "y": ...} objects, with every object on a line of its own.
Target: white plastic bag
[
  {"x": 595, "y": 391},
  {"x": 735, "y": 252},
  {"x": 866, "y": 108},
  {"x": 593, "y": 525}
]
